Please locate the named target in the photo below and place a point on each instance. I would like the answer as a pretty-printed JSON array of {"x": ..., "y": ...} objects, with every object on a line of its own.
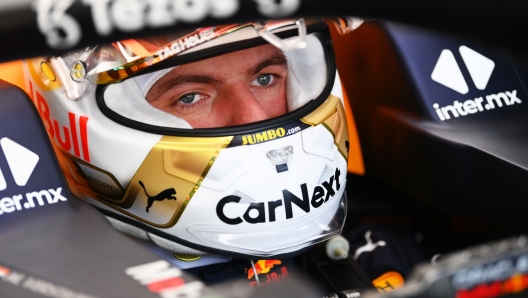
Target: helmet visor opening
[{"x": 238, "y": 87}]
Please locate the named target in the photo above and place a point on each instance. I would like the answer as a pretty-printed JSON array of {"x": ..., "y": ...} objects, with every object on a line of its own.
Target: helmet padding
[{"x": 126, "y": 99}]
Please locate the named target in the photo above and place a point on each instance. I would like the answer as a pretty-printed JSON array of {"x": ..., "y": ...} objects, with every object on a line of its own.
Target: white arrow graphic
[
  {"x": 21, "y": 162},
  {"x": 479, "y": 67},
  {"x": 447, "y": 73},
  {"x": 3, "y": 184}
]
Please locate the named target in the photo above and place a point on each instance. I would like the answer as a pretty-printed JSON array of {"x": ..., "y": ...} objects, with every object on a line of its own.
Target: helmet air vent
[{"x": 281, "y": 157}]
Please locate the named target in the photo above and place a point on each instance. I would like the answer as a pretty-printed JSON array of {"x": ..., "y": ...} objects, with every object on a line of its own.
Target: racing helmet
[{"x": 228, "y": 139}]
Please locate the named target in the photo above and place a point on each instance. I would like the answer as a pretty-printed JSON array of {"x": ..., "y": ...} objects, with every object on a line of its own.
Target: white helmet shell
[{"x": 263, "y": 189}]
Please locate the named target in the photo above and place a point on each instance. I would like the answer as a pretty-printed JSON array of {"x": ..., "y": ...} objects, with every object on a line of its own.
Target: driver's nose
[{"x": 244, "y": 107}]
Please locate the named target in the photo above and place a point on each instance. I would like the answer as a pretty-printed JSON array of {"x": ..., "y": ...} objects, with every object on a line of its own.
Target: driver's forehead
[{"x": 234, "y": 64}]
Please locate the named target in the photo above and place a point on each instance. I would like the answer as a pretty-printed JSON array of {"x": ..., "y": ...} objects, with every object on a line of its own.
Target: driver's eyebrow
[
  {"x": 277, "y": 59},
  {"x": 182, "y": 79},
  {"x": 179, "y": 80}
]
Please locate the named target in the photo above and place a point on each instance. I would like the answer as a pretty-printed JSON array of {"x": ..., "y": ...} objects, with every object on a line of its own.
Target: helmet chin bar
[
  {"x": 164, "y": 243},
  {"x": 179, "y": 246},
  {"x": 277, "y": 238}
]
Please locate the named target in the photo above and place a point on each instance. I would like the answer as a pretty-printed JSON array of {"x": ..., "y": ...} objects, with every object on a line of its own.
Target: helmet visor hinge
[{"x": 298, "y": 42}]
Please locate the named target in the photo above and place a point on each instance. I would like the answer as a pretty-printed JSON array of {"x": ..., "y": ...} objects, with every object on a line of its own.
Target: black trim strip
[{"x": 288, "y": 129}]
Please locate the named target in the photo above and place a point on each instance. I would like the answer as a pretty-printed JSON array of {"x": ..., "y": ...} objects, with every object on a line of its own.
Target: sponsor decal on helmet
[
  {"x": 268, "y": 135},
  {"x": 74, "y": 136},
  {"x": 185, "y": 44},
  {"x": 263, "y": 136},
  {"x": 163, "y": 278},
  {"x": 167, "y": 194},
  {"x": 103, "y": 185},
  {"x": 97, "y": 180},
  {"x": 320, "y": 195}
]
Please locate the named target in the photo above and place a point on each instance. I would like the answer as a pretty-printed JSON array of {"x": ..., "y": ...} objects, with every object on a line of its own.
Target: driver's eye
[
  {"x": 264, "y": 80},
  {"x": 189, "y": 98}
]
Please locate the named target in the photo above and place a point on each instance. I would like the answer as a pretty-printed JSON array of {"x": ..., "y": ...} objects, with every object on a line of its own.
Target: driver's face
[{"x": 232, "y": 89}]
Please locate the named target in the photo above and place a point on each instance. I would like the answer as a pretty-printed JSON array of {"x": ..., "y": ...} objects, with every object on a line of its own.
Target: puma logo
[
  {"x": 370, "y": 246},
  {"x": 167, "y": 194}
]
